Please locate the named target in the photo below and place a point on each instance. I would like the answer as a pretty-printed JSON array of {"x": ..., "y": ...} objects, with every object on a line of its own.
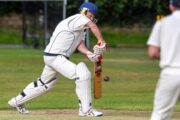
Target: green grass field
[
  {"x": 131, "y": 87},
  {"x": 113, "y": 36}
]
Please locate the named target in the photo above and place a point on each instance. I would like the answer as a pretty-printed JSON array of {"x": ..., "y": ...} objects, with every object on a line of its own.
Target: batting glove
[
  {"x": 94, "y": 57},
  {"x": 99, "y": 48}
]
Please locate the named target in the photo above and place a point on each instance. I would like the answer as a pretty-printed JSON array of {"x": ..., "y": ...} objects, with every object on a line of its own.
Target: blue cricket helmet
[{"x": 90, "y": 7}]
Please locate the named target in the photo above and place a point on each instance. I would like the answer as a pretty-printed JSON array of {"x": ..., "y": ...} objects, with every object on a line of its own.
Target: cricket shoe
[
  {"x": 90, "y": 113},
  {"x": 20, "y": 108}
]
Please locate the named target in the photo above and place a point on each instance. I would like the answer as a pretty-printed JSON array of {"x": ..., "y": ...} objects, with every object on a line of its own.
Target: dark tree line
[{"x": 111, "y": 12}]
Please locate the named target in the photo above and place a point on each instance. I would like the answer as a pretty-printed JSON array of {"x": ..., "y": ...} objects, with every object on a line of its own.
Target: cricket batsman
[{"x": 68, "y": 36}]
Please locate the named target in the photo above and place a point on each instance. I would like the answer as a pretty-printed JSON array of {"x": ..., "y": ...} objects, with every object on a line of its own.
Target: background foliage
[
  {"x": 130, "y": 12},
  {"x": 111, "y": 12},
  {"x": 121, "y": 21}
]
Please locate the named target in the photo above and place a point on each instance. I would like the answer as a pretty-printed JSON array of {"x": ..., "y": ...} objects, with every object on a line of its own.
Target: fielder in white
[
  {"x": 68, "y": 36},
  {"x": 164, "y": 44}
]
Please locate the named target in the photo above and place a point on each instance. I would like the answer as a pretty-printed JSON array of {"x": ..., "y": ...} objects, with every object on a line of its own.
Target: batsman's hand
[
  {"x": 94, "y": 57},
  {"x": 99, "y": 48}
]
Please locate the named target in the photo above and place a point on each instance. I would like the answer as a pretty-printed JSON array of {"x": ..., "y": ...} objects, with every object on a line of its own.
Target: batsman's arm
[
  {"x": 94, "y": 28},
  {"x": 82, "y": 48}
]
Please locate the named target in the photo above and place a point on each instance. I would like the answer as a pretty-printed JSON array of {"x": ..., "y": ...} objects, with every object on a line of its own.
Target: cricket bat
[{"x": 98, "y": 80}]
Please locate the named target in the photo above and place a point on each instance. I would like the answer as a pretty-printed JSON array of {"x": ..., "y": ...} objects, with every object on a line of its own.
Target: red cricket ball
[{"x": 106, "y": 78}]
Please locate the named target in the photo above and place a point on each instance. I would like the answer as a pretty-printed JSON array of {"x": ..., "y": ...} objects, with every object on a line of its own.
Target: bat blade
[{"x": 97, "y": 80}]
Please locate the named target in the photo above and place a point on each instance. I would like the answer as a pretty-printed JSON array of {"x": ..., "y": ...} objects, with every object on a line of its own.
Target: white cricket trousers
[
  {"x": 58, "y": 64},
  {"x": 166, "y": 96},
  {"x": 79, "y": 72}
]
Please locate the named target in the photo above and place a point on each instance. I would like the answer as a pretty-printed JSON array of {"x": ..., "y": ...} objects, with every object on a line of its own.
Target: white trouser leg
[
  {"x": 36, "y": 88},
  {"x": 166, "y": 95},
  {"x": 62, "y": 66},
  {"x": 83, "y": 87},
  {"x": 78, "y": 72}
]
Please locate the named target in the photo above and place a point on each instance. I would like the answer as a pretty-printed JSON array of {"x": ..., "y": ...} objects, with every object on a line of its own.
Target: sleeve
[
  {"x": 154, "y": 38},
  {"x": 80, "y": 22}
]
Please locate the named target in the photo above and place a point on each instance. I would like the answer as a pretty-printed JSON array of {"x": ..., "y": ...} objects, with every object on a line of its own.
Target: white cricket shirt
[
  {"x": 166, "y": 35},
  {"x": 67, "y": 35}
]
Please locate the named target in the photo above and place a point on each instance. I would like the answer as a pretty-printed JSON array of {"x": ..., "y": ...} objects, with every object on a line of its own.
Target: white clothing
[
  {"x": 166, "y": 36},
  {"x": 166, "y": 95},
  {"x": 65, "y": 39},
  {"x": 67, "y": 35}
]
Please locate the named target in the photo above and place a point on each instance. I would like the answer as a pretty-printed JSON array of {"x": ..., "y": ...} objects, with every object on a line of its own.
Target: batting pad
[
  {"x": 83, "y": 87},
  {"x": 33, "y": 90}
]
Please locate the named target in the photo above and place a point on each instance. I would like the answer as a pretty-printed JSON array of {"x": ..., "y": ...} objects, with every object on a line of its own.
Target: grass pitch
[
  {"x": 71, "y": 114},
  {"x": 133, "y": 78}
]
